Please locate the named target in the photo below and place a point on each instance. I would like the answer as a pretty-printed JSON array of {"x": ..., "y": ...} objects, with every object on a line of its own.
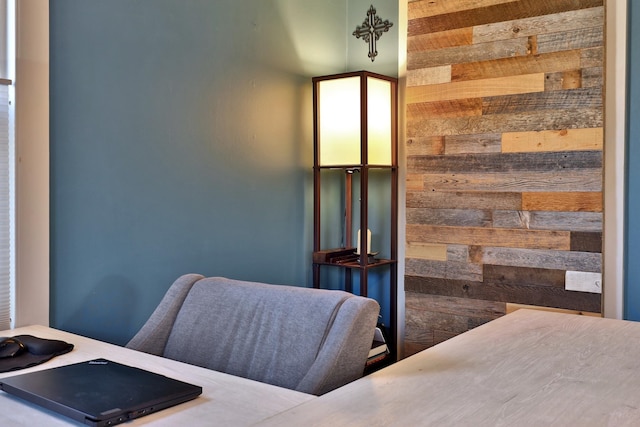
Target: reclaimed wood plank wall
[{"x": 504, "y": 160}]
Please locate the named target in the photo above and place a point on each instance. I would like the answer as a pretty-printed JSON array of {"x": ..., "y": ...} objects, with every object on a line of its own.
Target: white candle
[{"x": 368, "y": 242}]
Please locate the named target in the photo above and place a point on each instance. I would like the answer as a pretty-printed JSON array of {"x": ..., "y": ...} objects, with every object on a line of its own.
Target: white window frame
[
  {"x": 614, "y": 167},
  {"x": 31, "y": 297}
]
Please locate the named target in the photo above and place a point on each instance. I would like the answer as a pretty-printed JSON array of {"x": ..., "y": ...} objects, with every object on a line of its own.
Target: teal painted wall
[
  {"x": 181, "y": 141},
  {"x": 632, "y": 226}
]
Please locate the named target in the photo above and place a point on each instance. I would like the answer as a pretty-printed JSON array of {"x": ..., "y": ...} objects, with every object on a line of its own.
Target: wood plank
[
  {"x": 494, "y": 237},
  {"x": 593, "y": 77},
  {"x": 505, "y": 162},
  {"x": 565, "y": 80},
  {"x": 575, "y": 39},
  {"x": 440, "y": 40},
  {"x": 593, "y": 57},
  {"x": 553, "y": 140},
  {"x": 450, "y": 217},
  {"x": 536, "y": 220},
  {"x": 518, "y": 122},
  {"x": 555, "y": 100},
  {"x": 429, "y": 76},
  {"x": 572, "y": 80},
  {"x": 538, "y": 277},
  {"x": 466, "y": 307},
  {"x": 529, "y": 64},
  {"x": 464, "y": 200},
  {"x": 552, "y": 259},
  {"x": 569, "y": 201},
  {"x": 495, "y": 13},
  {"x": 442, "y": 109},
  {"x": 414, "y": 182},
  {"x": 473, "y": 144},
  {"x": 459, "y": 253},
  {"x": 429, "y": 251},
  {"x": 443, "y": 269},
  {"x": 536, "y": 25},
  {"x": 507, "y": 291},
  {"x": 471, "y": 53},
  {"x": 426, "y": 328},
  {"x": 586, "y": 242},
  {"x": 517, "y": 181},
  {"x": 526, "y": 83},
  {"x": 424, "y": 8},
  {"x": 511, "y": 307},
  {"x": 431, "y": 145}
]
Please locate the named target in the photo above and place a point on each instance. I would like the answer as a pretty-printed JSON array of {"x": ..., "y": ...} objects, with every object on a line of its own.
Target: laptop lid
[{"x": 100, "y": 392}]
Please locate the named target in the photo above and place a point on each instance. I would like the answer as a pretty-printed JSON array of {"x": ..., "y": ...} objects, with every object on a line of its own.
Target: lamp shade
[{"x": 354, "y": 119}]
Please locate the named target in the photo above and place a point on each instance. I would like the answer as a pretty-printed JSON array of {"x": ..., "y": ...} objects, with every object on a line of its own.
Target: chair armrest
[{"x": 152, "y": 337}]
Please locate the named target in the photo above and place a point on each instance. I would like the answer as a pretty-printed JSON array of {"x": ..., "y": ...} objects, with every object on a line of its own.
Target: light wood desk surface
[
  {"x": 226, "y": 400},
  {"x": 529, "y": 368}
]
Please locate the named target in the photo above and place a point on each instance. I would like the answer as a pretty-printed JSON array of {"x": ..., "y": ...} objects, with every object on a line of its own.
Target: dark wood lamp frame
[{"x": 346, "y": 257}]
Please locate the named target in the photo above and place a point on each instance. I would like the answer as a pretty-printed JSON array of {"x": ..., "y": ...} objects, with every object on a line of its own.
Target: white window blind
[{"x": 5, "y": 211}]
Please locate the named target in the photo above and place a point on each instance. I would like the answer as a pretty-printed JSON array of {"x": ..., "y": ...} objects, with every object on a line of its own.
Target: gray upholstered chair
[{"x": 310, "y": 340}]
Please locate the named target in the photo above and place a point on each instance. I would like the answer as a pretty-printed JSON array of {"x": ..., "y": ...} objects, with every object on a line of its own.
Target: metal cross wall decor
[{"x": 371, "y": 30}]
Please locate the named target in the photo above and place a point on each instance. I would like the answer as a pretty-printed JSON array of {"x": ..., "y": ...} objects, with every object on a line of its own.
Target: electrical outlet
[{"x": 583, "y": 281}]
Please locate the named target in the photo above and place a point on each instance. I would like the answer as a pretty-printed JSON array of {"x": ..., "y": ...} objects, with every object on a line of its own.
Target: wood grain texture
[
  {"x": 433, "y": 318},
  {"x": 475, "y": 143},
  {"x": 504, "y": 155},
  {"x": 453, "y": 108},
  {"x": 429, "y": 76},
  {"x": 526, "y": 83},
  {"x": 553, "y": 140},
  {"x": 593, "y": 77},
  {"x": 513, "y": 66},
  {"x": 450, "y": 217},
  {"x": 570, "y": 20},
  {"x": 586, "y": 241},
  {"x": 427, "y": 251},
  {"x": 511, "y": 238},
  {"x": 516, "y": 181},
  {"x": 541, "y": 220},
  {"x": 414, "y": 182},
  {"x": 459, "y": 253},
  {"x": 578, "y": 118},
  {"x": 424, "y": 8},
  {"x": 495, "y": 13},
  {"x": 506, "y": 162},
  {"x": 593, "y": 57},
  {"x": 443, "y": 269},
  {"x": 552, "y": 259},
  {"x": 431, "y": 145},
  {"x": 509, "y": 290},
  {"x": 552, "y": 100},
  {"x": 575, "y": 39},
  {"x": 441, "y": 40},
  {"x": 566, "y": 201},
  {"x": 469, "y": 53},
  {"x": 462, "y": 200}
]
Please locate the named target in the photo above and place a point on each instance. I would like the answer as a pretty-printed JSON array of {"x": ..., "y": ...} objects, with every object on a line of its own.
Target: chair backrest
[{"x": 309, "y": 340}]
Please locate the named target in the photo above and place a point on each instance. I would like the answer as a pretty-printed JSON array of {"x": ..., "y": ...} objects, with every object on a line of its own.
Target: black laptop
[{"x": 100, "y": 392}]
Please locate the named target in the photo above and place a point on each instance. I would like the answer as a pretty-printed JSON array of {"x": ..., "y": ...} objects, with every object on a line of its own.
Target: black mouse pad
[{"x": 24, "y": 351}]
